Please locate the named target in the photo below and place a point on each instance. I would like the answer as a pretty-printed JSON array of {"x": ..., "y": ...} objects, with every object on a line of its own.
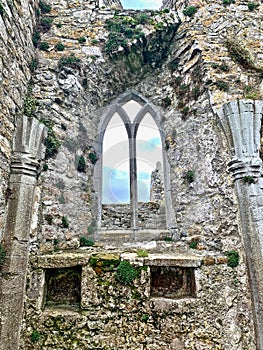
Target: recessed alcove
[
  {"x": 63, "y": 286},
  {"x": 172, "y": 282}
]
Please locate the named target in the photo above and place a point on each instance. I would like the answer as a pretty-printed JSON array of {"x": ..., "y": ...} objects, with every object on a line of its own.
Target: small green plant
[
  {"x": 70, "y": 61},
  {"x": 52, "y": 144},
  {"x": 2, "y": 10},
  {"x": 228, "y": 2},
  {"x": 59, "y": 25},
  {"x": 233, "y": 258},
  {"x": 81, "y": 164},
  {"x": 168, "y": 239},
  {"x": 45, "y": 167},
  {"x": 251, "y": 6},
  {"x": 44, "y": 7},
  {"x": 33, "y": 64},
  {"x": 44, "y": 46},
  {"x": 35, "y": 336},
  {"x": 82, "y": 39},
  {"x": 64, "y": 222},
  {"x": 30, "y": 105},
  {"x": 190, "y": 176},
  {"x": 222, "y": 85},
  {"x": 95, "y": 41},
  {"x": 248, "y": 179},
  {"x": 85, "y": 242},
  {"x": 189, "y": 11},
  {"x": 126, "y": 273},
  {"x": 93, "y": 157},
  {"x": 45, "y": 24},
  {"x": 36, "y": 37},
  {"x": 2, "y": 255},
  {"x": 193, "y": 244},
  {"x": 142, "y": 253},
  {"x": 59, "y": 47},
  {"x": 144, "y": 318}
]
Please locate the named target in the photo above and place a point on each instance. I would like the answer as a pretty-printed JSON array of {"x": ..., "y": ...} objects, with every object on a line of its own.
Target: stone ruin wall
[
  {"x": 16, "y": 53},
  {"x": 74, "y": 99}
]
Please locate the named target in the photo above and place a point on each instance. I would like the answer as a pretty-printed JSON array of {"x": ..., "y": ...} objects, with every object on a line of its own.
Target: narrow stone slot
[
  {"x": 172, "y": 282},
  {"x": 63, "y": 286}
]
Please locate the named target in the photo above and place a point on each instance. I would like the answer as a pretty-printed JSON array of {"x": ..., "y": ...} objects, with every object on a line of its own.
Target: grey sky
[{"x": 142, "y": 4}]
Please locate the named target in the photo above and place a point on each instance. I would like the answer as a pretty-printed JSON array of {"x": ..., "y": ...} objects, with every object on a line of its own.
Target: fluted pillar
[
  {"x": 27, "y": 152},
  {"x": 241, "y": 122}
]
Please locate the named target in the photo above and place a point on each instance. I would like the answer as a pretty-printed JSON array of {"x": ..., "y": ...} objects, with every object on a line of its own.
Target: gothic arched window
[{"x": 132, "y": 168}]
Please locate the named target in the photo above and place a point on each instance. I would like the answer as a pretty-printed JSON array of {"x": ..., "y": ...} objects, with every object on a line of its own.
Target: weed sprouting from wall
[
  {"x": 233, "y": 258},
  {"x": 126, "y": 273},
  {"x": 190, "y": 11},
  {"x": 35, "y": 336}
]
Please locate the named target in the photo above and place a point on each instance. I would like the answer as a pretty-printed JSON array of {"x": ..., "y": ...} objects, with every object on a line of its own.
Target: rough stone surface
[{"x": 187, "y": 68}]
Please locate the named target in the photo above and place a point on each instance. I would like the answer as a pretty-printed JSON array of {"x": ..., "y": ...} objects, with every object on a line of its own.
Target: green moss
[
  {"x": 126, "y": 273},
  {"x": 44, "y": 7},
  {"x": 2, "y": 10},
  {"x": 233, "y": 258},
  {"x": 59, "y": 47},
  {"x": 222, "y": 85},
  {"x": 64, "y": 222},
  {"x": 93, "y": 157},
  {"x": 35, "y": 336},
  {"x": 81, "y": 164},
  {"x": 44, "y": 46},
  {"x": 104, "y": 261},
  {"x": 36, "y": 37},
  {"x": 251, "y": 6},
  {"x": 190, "y": 176},
  {"x": 85, "y": 242},
  {"x": 248, "y": 179},
  {"x": 189, "y": 11},
  {"x": 82, "y": 39},
  {"x": 70, "y": 61},
  {"x": 45, "y": 24}
]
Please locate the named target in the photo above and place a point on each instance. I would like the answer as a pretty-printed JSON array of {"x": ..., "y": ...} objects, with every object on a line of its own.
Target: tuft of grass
[{"x": 193, "y": 244}]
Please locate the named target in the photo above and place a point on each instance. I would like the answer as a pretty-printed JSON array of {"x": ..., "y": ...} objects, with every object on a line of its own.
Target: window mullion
[{"x": 133, "y": 184}]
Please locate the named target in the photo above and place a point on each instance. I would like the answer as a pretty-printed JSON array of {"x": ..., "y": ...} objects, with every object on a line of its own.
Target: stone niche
[
  {"x": 172, "y": 282},
  {"x": 63, "y": 287}
]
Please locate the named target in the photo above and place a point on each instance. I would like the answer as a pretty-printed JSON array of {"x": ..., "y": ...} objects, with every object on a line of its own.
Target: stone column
[
  {"x": 241, "y": 121},
  {"x": 27, "y": 152}
]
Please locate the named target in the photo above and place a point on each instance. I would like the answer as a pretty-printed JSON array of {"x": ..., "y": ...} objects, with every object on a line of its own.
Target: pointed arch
[{"x": 132, "y": 119}]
